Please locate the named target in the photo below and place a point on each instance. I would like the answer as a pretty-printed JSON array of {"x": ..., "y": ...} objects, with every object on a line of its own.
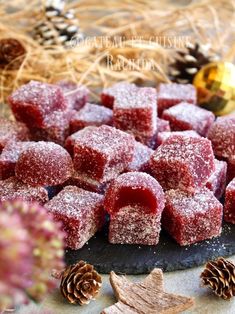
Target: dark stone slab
[{"x": 168, "y": 255}]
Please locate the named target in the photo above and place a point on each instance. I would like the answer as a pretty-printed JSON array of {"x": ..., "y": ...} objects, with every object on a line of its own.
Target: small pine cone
[
  {"x": 11, "y": 53},
  {"x": 80, "y": 283},
  {"x": 189, "y": 62},
  {"x": 219, "y": 275}
]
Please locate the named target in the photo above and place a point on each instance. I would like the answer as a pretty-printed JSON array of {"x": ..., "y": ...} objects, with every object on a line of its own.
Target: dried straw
[{"x": 206, "y": 21}]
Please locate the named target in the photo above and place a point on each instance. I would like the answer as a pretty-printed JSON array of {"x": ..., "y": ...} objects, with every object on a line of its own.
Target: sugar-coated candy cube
[
  {"x": 81, "y": 213},
  {"x": 192, "y": 218},
  {"x": 32, "y": 102},
  {"x": 9, "y": 157},
  {"x": 229, "y": 207},
  {"x": 163, "y": 125},
  {"x": 11, "y": 131},
  {"x": 141, "y": 156},
  {"x": 56, "y": 127},
  {"x": 76, "y": 95},
  {"x": 163, "y": 136},
  {"x": 102, "y": 152},
  {"x": 120, "y": 89},
  {"x": 185, "y": 116},
  {"x": 217, "y": 181},
  {"x": 231, "y": 169},
  {"x": 222, "y": 136},
  {"x": 44, "y": 164},
  {"x": 184, "y": 163},
  {"x": 91, "y": 114},
  {"x": 12, "y": 188},
  {"x": 136, "y": 113},
  {"x": 172, "y": 94},
  {"x": 135, "y": 202}
]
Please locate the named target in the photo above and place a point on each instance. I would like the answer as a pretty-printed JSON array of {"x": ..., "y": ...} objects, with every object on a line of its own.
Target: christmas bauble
[{"x": 215, "y": 84}]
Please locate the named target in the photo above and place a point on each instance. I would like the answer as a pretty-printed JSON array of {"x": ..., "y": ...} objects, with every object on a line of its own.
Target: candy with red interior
[
  {"x": 172, "y": 94},
  {"x": 185, "y": 116},
  {"x": 91, "y": 114},
  {"x": 101, "y": 153},
  {"x": 141, "y": 156},
  {"x": 163, "y": 125},
  {"x": 11, "y": 131},
  {"x": 184, "y": 163},
  {"x": 217, "y": 181},
  {"x": 192, "y": 218},
  {"x": 44, "y": 164},
  {"x": 163, "y": 136},
  {"x": 81, "y": 213},
  {"x": 229, "y": 207},
  {"x": 31, "y": 103},
  {"x": 12, "y": 188},
  {"x": 135, "y": 202}
]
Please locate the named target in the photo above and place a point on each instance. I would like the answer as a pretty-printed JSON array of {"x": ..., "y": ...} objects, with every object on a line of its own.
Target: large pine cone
[
  {"x": 219, "y": 275},
  {"x": 80, "y": 283}
]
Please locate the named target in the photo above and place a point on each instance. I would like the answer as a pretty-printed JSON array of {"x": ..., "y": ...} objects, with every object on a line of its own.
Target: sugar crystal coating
[
  {"x": 135, "y": 113},
  {"x": 231, "y": 169},
  {"x": 217, "y": 181},
  {"x": 12, "y": 188},
  {"x": 172, "y": 94},
  {"x": 183, "y": 163},
  {"x": 81, "y": 213},
  {"x": 32, "y": 102},
  {"x": 11, "y": 131},
  {"x": 192, "y": 218},
  {"x": 76, "y": 95},
  {"x": 229, "y": 207},
  {"x": 102, "y": 152},
  {"x": 163, "y": 125},
  {"x": 185, "y": 116},
  {"x": 222, "y": 136},
  {"x": 44, "y": 164},
  {"x": 120, "y": 89},
  {"x": 135, "y": 202},
  {"x": 163, "y": 136},
  {"x": 91, "y": 114},
  {"x": 141, "y": 156},
  {"x": 9, "y": 157}
]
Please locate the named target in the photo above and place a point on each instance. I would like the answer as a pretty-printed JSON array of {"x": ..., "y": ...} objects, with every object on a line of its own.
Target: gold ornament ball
[{"x": 215, "y": 84}]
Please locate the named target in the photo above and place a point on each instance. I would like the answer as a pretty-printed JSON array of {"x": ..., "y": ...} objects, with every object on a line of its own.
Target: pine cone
[
  {"x": 219, "y": 275},
  {"x": 11, "y": 53},
  {"x": 188, "y": 63},
  {"x": 80, "y": 283},
  {"x": 57, "y": 28}
]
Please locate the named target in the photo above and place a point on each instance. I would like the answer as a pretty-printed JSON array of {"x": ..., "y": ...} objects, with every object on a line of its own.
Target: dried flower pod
[
  {"x": 219, "y": 275},
  {"x": 11, "y": 53},
  {"x": 80, "y": 283}
]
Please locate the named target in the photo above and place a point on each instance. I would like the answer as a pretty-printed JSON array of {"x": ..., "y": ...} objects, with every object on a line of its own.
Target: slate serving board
[{"x": 139, "y": 259}]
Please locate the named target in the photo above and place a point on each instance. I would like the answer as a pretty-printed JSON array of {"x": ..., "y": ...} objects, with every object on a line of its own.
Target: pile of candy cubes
[{"x": 147, "y": 158}]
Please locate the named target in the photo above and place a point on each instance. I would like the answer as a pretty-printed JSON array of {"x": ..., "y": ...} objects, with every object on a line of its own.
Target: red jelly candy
[
  {"x": 222, "y": 136},
  {"x": 9, "y": 157},
  {"x": 76, "y": 95},
  {"x": 44, "y": 164},
  {"x": 11, "y": 131},
  {"x": 12, "y": 188},
  {"x": 120, "y": 89},
  {"x": 136, "y": 113},
  {"x": 56, "y": 127},
  {"x": 184, "y": 163},
  {"x": 135, "y": 202},
  {"x": 81, "y": 213},
  {"x": 172, "y": 94},
  {"x": 192, "y": 218},
  {"x": 217, "y": 181},
  {"x": 163, "y": 125},
  {"x": 163, "y": 136},
  {"x": 91, "y": 114},
  {"x": 101, "y": 153},
  {"x": 185, "y": 116},
  {"x": 229, "y": 208},
  {"x": 32, "y": 102},
  {"x": 141, "y": 157},
  {"x": 231, "y": 169}
]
